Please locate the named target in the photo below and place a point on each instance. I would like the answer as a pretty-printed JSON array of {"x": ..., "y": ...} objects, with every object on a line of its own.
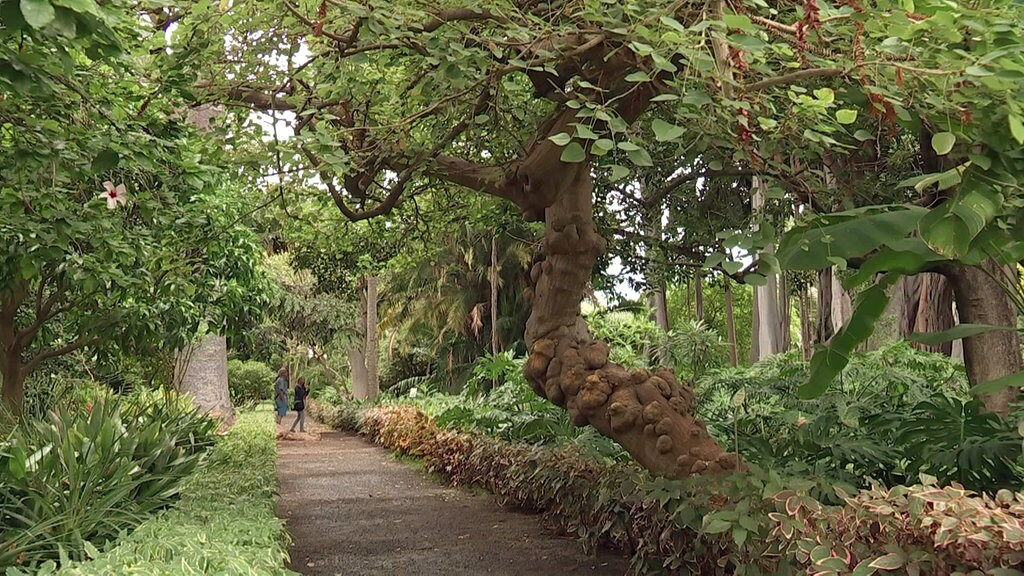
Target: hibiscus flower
[{"x": 114, "y": 196}]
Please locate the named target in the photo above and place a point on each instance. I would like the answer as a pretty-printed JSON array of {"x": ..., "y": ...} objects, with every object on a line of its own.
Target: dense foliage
[
  {"x": 77, "y": 480},
  {"x": 759, "y": 523},
  {"x": 249, "y": 382},
  {"x": 224, "y": 524}
]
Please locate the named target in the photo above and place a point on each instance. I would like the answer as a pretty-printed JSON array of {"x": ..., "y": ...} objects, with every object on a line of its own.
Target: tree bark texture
[
  {"x": 824, "y": 330},
  {"x": 649, "y": 414},
  {"x": 698, "y": 297},
  {"x": 927, "y": 307},
  {"x": 770, "y": 320},
  {"x": 203, "y": 374},
  {"x": 372, "y": 356},
  {"x": 357, "y": 353},
  {"x": 806, "y": 325},
  {"x": 730, "y": 324},
  {"x": 13, "y": 381},
  {"x": 980, "y": 299}
]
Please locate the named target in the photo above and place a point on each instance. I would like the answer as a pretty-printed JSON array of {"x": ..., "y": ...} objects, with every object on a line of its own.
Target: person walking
[
  {"x": 281, "y": 394},
  {"x": 301, "y": 392}
]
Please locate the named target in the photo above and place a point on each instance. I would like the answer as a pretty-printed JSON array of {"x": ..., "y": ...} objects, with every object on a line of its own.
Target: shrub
[
  {"x": 250, "y": 382},
  {"x": 76, "y": 480},
  {"x": 756, "y": 523},
  {"x": 225, "y": 522}
]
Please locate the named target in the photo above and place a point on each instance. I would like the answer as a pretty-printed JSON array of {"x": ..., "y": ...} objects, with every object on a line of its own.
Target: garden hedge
[
  {"x": 226, "y": 521},
  {"x": 756, "y": 523}
]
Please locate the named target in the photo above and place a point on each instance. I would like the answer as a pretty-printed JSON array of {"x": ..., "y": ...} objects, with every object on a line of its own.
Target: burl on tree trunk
[{"x": 649, "y": 414}]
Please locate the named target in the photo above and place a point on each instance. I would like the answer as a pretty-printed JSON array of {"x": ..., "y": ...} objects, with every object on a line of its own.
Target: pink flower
[{"x": 114, "y": 196}]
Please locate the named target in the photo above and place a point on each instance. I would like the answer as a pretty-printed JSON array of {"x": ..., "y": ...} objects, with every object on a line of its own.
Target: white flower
[{"x": 114, "y": 196}]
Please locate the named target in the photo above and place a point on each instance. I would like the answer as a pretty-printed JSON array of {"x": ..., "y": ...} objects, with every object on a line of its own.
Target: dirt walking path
[{"x": 355, "y": 511}]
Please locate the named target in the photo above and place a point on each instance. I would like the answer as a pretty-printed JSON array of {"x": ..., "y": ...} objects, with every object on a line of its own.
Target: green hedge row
[
  {"x": 225, "y": 523},
  {"x": 751, "y": 524}
]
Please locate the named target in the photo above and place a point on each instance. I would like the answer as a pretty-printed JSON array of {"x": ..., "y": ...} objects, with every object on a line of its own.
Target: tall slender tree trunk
[
  {"x": 698, "y": 296},
  {"x": 806, "y": 325},
  {"x": 768, "y": 321},
  {"x": 357, "y": 352},
  {"x": 372, "y": 381},
  {"x": 842, "y": 304},
  {"x": 980, "y": 299},
  {"x": 649, "y": 414},
  {"x": 495, "y": 336},
  {"x": 825, "y": 329},
  {"x": 730, "y": 324},
  {"x": 660, "y": 305},
  {"x": 785, "y": 314},
  {"x": 495, "y": 343}
]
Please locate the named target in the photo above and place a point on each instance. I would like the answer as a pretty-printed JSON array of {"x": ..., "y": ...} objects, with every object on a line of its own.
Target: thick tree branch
[
  {"x": 659, "y": 195},
  {"x": 479, "y": 177},
  {"x": 793, "y": 77},
  {"x": 459, "y": 15},
  {"x": 76, "y": 344}
]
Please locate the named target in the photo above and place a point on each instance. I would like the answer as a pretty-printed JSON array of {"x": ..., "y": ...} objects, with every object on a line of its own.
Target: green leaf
[
  {"x": 80, "y": 6},
  {"x": 755, "y": 280},
  {"x": 739, "y": 21},
  {"x": 602, "y": 146},
  {"x": 845, "y": 235},
  {"x": 943, "y": 142},
  {"x": 826, "y": 95},
  {"x": 38, "y": 13},
  {"x": 640, "y": 157},
  {"x": 863, "y": 135},
  {"x": 584, "y": 131},
  {"x": 1016, "y": 128},
  {"x": 888, "y": 562},
  {"x": 950, "y": 228},
  {"x": 105, "y": 161},
  {"x": 956, "y": 333},
  {"x": 618, "y": 172},
  {"x": 864, "y": 569},
  {"x": 830, "y": 360},
  {"x": 716, "y": 526},
  {"x": 639, "y": 76},
  {"x": 908, "y": 256},
  {"x": 573, "y": 153},
  {"x": 732, "y": 266},
  {"x": 846, "y": 116},
  {"x": 561, "y": 139},
  {"x": 999, "y": 384},
  {"x": 665, "y": 132}
]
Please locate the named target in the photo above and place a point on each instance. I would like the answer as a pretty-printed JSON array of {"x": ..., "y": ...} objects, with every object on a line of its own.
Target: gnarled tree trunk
[
  {"x": 991, "y": 355},
  {"x": 649, "y": 414}
]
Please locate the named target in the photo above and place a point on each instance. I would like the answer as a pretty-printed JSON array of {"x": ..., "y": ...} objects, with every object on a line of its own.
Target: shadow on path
[{"x": 354, "y": 511}]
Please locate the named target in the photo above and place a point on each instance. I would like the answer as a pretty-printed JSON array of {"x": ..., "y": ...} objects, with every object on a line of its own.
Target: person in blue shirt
[
  {"x": 301, "y": 391},
  {"x": 281, "y": 394}
]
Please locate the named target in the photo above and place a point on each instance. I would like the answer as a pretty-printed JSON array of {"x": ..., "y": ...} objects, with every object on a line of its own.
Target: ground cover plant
[
  {"x": 762, "y": 522},
  {"x": 79, "y": 479},
  {"x": 224, "y": 524}
]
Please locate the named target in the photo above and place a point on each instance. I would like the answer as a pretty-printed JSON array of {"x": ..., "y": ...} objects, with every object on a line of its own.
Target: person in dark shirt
[
  {"x": 281, "y": 394},
  {"x": 301, "y": 392}
]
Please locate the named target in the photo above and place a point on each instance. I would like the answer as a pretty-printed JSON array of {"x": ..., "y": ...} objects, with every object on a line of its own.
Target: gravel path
[{"x": 353, "y": 510}]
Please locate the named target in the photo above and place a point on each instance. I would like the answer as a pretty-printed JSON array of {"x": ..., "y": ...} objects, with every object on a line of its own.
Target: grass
[{"x": 225, "y": 522}]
